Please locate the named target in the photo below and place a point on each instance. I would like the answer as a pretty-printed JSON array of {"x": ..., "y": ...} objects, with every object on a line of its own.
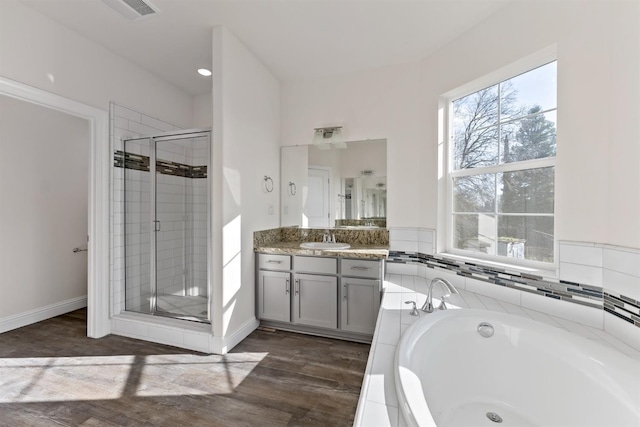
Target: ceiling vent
[{"x": 132, "y": 9}]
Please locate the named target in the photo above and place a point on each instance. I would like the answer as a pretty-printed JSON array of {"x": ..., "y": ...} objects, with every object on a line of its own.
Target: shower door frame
[{"x": 153, "y": 218}]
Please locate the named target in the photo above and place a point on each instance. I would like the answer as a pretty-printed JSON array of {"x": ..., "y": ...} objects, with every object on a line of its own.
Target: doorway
[{"x": 96, "y": 233}]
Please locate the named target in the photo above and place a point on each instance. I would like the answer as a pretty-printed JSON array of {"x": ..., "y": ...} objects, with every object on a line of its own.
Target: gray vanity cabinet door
[
  {"x": 314, "y": 300},
  {"x": 274, "y": 296},
  {"x": 360, "y": 302}
]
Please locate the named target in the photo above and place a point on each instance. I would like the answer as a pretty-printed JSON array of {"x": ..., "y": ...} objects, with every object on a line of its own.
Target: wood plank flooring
[{"x": 51, "y": 374}]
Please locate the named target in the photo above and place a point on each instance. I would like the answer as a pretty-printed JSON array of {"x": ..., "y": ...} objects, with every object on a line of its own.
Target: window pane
[
  {"x": 474, "y": 193},
  {"x": 475, "y": 233},
  {"x": 474, "y": 131},
  {"x": 526, "y": 237},
  {"x": 475, "y": 149},
  {"x": 526, "y": 191},
  {"x": 530, "y": 138},
  {"x": 535, "y": 88}
]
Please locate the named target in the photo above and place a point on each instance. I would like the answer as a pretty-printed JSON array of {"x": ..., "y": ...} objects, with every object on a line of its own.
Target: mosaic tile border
[
  {"x": 123, "y": 159},
  {"x": 617, "y": 305},
  {"x": 622, "y": 307}
]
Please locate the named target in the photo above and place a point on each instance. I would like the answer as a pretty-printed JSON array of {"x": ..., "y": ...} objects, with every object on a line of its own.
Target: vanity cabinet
[
  {"x": 274, "y": 302},
  {"x": 360, "y": 295},
  {"x": 315, "y": 302},
  {"x": 274, "y": 287},
  {"x": 326, "y": 296}
]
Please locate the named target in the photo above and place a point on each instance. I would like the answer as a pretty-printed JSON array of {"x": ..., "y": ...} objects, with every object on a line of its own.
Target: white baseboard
[
  {"x": 225, "y": 344},
  {"x": 39, "y": 314}
]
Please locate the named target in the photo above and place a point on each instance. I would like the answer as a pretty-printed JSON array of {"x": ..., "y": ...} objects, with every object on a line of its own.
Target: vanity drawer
[
  {"x": 274, "y": 262},
  {"x": 320, "y": 265},
  {"x": 361, "y": 268}
]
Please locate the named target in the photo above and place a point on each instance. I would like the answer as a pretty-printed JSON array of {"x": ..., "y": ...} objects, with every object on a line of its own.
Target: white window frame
[{"x": 446, "y": 163}]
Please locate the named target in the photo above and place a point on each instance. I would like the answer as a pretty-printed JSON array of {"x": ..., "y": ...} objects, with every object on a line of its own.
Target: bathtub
[{"x": 525, "y": 374}]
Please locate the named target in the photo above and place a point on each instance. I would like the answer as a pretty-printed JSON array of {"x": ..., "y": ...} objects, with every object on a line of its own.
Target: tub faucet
[{"x": 428, "y": 305}]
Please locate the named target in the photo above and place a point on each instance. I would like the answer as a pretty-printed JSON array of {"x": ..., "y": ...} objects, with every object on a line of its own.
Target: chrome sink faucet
[
  {"x": 428, "y": 305},
  {"x": 328, "y": 237}
]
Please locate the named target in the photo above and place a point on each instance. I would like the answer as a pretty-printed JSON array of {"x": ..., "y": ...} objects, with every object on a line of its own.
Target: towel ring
[
  {"x": 292, "y": 188},
  {"x": 268, "y": 184}
]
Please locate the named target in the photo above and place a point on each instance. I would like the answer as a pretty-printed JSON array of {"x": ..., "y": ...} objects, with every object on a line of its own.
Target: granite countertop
[{"x": 355, "y": 251}]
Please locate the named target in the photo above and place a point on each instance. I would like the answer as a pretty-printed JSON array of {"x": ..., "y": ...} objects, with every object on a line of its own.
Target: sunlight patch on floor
[{"x": 114, "y": 377}]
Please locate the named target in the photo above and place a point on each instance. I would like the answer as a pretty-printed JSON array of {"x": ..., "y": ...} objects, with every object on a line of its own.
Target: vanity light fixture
[
  {"x": 325, "y": 138},
  {"x": 204, "y": 72}
]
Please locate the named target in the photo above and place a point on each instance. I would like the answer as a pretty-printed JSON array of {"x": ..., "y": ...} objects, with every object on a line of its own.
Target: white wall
[
  {"x": 37, "y": 51},
  {"x": 375, "y": 104},
  {"x": 296, "y": 171},
  {"x": 598, "y": 48},
  {"x": 202, "y": 111},
  {"x": 44, "y": 175},
  {"x": 246, "y": 148},
  {"x": 597, "y": 174}
]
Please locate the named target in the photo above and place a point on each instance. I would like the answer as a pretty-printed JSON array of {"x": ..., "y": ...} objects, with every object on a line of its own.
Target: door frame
[{"x": 98, "y": 301}]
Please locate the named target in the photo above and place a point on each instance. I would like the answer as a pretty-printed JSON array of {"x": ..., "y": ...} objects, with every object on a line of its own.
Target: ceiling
[{"x": 295, "y": 39}]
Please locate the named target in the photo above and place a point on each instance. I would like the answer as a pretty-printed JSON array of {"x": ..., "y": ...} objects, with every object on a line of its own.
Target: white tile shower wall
[
  {"x": 124, "y": 123},
  {"x": 171, "y": 200},
  {"x": 137, "y": 238}
]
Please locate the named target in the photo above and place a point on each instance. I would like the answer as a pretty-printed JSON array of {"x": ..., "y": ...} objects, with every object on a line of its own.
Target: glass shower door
[
  {"x": 134, "y": 159},
  {"x": 181, "y": 226}
]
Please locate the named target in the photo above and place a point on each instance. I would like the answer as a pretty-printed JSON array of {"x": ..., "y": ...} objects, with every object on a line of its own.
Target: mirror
[{"x": 334, "y": 187}]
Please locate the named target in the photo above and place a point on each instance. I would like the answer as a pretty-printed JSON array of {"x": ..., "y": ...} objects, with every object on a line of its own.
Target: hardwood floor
[{"x": 51, "y": 374}]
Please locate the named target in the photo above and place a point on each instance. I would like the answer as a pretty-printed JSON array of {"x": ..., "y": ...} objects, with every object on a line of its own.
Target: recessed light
[{"x": 204, "y": 72}]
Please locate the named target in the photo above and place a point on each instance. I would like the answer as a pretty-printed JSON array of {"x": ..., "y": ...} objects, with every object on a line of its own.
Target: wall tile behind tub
[
  {"x": 403, "y": 239},
  {"x": 426, "y": 241},
  {"x": 599, "y": 284},
  {"x": 581, "y": 253},
  {"x": 123, "y": 125}
]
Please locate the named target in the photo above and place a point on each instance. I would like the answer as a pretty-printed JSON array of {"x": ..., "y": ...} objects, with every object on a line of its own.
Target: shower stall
[{"x": 166, "y": 224}]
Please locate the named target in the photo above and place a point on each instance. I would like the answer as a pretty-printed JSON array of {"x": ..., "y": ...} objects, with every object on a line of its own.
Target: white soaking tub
[{"x": 525, "y": 374}]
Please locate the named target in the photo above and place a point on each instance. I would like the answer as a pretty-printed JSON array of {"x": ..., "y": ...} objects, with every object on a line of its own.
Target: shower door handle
[{"x": 156, "y": 225}]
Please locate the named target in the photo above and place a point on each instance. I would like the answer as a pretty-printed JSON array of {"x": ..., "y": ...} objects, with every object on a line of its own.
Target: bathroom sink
[{"x": 324, "y": 245}]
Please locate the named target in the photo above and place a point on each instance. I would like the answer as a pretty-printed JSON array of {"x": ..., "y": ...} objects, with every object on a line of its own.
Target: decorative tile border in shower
[
  {"x": 122, "y": 159},
  {"x": 142, "y": 163}
]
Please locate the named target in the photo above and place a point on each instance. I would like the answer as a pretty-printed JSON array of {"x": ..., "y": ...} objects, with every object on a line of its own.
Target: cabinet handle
[
  {"x": 297, "y": 286},
  {"x": 357, "y": 267},
  {"x": 271, "y": 261},
  {"x": 346, "y": 292},
  {"x": 287, "y": 288}
]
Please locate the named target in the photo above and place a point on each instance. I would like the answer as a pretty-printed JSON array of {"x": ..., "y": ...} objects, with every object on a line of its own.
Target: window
[{"x": 501, "y": 175}]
